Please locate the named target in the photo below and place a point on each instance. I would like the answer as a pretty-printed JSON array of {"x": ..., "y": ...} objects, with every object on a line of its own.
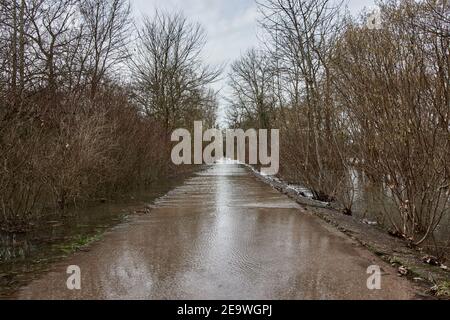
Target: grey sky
[{"x": 231, "y": 25}]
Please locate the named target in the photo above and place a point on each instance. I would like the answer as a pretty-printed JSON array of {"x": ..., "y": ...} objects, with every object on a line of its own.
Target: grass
[
  {"x": 442, "y": 289},
  {"x": 80, "y": 242}
]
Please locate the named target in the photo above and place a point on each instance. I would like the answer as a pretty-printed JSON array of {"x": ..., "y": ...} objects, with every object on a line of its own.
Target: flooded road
[
  {"x": 56, "y": 236},
  {"x": 223, "y": 234}
]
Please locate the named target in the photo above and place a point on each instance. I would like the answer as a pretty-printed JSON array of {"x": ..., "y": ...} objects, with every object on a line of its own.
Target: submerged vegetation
[
  {"x": 89, "y": 99},
  {"x": 86, "y": 108},
  {"x": 442, "y": 289},
  {"x": 355, "y": 100}
]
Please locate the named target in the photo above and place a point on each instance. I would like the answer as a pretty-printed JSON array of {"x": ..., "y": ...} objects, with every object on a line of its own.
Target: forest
[
  {"x": 355, "y": 102},
  {"x": 89, "y": 100}
]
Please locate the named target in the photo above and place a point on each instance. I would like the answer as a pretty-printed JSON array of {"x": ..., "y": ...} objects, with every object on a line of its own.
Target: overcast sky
[{"x": 231, "y": 25}]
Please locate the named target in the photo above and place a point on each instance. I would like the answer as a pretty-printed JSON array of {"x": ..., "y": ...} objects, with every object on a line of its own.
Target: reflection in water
[
  {"x": 374, "y": 203},
  {"x": 22, "y": 256},
  {"x": 221, "y": 235}
]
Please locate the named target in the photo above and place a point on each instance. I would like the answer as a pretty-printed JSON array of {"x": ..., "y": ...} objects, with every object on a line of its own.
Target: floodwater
[
  {"x": 223, "y": 234},
  {"x": 25, "y": 256},
  {"x": 372, "y": 203}
]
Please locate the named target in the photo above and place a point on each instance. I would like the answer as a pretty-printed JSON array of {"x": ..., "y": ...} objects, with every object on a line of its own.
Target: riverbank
[{"x": 434, "y": 280}]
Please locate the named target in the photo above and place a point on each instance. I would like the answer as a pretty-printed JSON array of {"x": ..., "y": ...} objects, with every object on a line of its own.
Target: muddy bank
[{"x": 434, "y": 280}]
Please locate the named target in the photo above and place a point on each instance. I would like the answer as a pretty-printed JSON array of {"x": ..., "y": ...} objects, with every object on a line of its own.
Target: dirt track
[{"x": 223, "y": 235}]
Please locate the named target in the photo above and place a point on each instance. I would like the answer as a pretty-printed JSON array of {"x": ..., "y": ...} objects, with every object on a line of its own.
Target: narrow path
[{"x": 222, "y": 235}]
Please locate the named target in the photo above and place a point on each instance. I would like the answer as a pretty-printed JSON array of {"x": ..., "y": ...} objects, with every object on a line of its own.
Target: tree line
[
  {"x": 349, "y": 97},
  {"x": 88, "y": 99}
]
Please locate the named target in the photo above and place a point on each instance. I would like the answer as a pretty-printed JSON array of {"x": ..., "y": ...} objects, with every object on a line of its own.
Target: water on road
[{"x": 222, "y": 235}]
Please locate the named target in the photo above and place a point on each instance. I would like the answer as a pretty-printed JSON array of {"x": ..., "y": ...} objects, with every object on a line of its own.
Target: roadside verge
[{"x": 434, "y": 280}]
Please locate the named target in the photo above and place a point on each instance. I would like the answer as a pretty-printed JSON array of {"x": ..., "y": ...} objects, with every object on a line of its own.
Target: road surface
[{"x": 222, "y": 235}]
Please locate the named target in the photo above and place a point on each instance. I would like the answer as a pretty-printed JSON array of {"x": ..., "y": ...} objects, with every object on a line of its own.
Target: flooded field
[
  {"x": 371, "y": 204},
  {"x": 24, "y": 256}
]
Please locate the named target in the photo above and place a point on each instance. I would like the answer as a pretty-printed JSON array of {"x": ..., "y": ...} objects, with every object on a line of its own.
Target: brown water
[
  {"x": 24, "y": 256},
  {"x": 374, "y": 204},
  {"x": 222, "y": 235}
]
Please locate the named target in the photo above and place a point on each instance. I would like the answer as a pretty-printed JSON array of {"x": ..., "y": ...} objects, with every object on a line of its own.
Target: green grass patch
[
  {"x": 442, "y": 289},
  {"x": 80, "y": 242}
]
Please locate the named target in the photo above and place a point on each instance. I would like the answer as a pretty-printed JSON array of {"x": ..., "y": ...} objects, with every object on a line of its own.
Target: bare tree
[
  {"x": 393, "y": 84},
  {"x": 50, "y": 25},
  {"x": 168, "y": 69},
  {"x": 302, "y": 36},
  {"x": 13, "y": 57},
  {"x": 251, "y": 81},
  {"x": 70, "y": 128},
  {"x": 107, "y": 24}
]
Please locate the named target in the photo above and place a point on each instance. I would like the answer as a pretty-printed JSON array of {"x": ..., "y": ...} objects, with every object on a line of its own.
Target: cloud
[{"x": 230, "y": 24}]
